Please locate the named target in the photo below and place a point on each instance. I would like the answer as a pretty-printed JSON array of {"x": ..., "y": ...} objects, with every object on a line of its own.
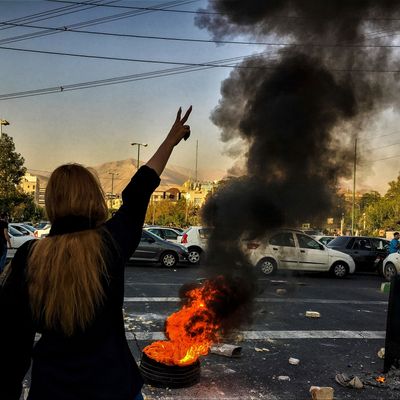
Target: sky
[{"x": 96, "y": 125}]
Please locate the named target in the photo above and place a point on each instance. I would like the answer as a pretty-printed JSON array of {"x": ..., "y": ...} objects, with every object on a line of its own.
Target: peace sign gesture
[{"x": 179, "y": 130}]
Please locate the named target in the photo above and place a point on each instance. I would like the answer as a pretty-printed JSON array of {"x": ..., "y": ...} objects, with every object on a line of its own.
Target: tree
[
  {"x": 11, "y": 171},
  {"x": 384, "y": 212}
]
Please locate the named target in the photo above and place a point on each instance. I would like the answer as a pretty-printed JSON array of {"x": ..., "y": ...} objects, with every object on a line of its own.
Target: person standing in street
[
  {"x": 394, "y": 243},
  {"x": 69, "y": 287},
  {"x": 4, "y": 240}
]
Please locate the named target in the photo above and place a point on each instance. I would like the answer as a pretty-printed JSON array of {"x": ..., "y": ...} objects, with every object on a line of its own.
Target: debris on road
[
  {"x": 321, "y": 393},
  {"x": 227, "y": 350},
  {"x": 313, "y": 314},
  {"x": 356, "y": 383},
  {"x": 349, "y": 381},
  {"x": 260, "y": 350},
  {"x": 283, "y": 378},
  {"x": 281, "y": 291},
  {"x": 294, "y": 361},
  {"x": 381, "y": 353}
]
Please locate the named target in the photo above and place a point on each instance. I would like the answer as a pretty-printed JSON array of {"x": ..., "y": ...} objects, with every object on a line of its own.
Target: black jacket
[{"x": 93, "y": 364}]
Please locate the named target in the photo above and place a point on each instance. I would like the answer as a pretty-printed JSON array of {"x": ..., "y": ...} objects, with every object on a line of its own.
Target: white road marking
[
  {"x": 259, "y": 299},
  {"x": 264, "y": 335}
]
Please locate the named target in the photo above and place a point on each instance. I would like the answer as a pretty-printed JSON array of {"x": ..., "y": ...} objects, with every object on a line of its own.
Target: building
[
  {"x": 196, "y": 193},
  {"x": 30, "y": 184}
]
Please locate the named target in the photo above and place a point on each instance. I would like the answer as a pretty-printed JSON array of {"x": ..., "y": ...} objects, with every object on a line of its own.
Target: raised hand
[{"x": 179, "y": 130}]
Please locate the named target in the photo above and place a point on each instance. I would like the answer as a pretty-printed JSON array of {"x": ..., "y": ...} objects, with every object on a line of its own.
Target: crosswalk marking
[
  {"x": 265, "y": 335},
  {"x": 260, "y": 300},
  {"x": 287, "y": 335}
]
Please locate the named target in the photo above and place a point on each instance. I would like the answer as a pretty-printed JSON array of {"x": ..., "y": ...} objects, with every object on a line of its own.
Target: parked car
[
  {"x": 391, "y": 266},
  {"x": 153, "y": 248},
  {"x": 368, "y": 252},
  {"x": 17, "y": 239},
  {"x": 42, "y": 232},
  {"x": 23, "y": 228},
  {"x": 324, "y": 239},
  {"x": 195, "y": 240},
  {"x": 169, "y": 234},
  {"x": 289, "y": 249}
]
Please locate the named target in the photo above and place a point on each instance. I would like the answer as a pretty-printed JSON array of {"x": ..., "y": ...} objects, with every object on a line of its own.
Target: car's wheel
[
  {"x": 340, "y": 269},
  {"x": 267, "y": 266},
  {"x": 169, "y": 259},
  {"x": 194, "y": 255},
  {"x": 389, "y": 271}
]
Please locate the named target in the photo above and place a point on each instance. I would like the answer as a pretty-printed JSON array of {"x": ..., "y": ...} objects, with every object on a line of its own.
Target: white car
[
  {"x": 195, "y": 239},
  {"x": 23, "y": 228},
  {"x": 391, "y": 266},
  {"x": 165, "y": 233},
  {"x": 289, "y": 249},
  {"x": 43, "y": 232},
  {"x": 324, "y": 239},
  {"x": 17, "y": 239}
]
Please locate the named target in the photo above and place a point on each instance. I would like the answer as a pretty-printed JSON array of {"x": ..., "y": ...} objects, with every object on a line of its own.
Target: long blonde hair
[{"x": 66, "y": 271}]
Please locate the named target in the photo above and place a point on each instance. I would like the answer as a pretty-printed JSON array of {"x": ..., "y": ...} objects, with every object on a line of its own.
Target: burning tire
[
  {"x": 267, "y": 266},
  {"x": 340, "y": 269},
  {"x": 389, "y": 271},
  {"x": 169, "y": 259},
  {"x": 166, "y": 376},
  {"x": 194, "y": 255}
]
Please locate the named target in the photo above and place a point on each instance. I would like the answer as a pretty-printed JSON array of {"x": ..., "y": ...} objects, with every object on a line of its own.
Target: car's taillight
[
  {"x": 252, "y": 245},
  {"x": 35, "y": 234},
  {"x": 184, "y": 238}
]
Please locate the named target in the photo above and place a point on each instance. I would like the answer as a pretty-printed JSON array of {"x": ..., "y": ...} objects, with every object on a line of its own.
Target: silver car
[{"x": 154, "y": 249}]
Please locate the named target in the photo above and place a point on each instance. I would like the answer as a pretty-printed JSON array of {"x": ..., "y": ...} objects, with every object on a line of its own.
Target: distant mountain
[{"x": 123, "y": 170}]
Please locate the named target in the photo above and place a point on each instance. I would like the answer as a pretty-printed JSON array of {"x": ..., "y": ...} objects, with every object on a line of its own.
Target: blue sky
[{"x": 96, "y": 125}]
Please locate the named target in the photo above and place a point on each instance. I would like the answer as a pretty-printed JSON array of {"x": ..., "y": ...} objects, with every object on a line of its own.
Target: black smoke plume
[{"x": 296, "y": 114}]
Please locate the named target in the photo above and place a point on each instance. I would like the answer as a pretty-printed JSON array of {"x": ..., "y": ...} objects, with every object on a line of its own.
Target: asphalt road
[{"x": 346, "y": 337}]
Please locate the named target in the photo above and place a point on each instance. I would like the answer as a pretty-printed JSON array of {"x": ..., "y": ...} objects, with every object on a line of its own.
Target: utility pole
[
  {"x": 353, "y": 208},
  {"x": 112, "y": 187},
  {"x": 138, "y": 150},
  {"x": 197, "y": 155}
]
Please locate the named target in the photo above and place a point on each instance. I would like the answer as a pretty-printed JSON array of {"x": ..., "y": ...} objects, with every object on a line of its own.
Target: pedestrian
[
  {"x": 394, "y": 243},
  {"x": 4, "y": 240},
  {"x": 69, "y": 287}
]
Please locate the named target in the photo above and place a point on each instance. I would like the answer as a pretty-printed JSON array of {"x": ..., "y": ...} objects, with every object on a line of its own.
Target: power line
[
  {"x": 118, "y": 80},
  {"x": 180, "y": 39},
  {"x": 380, "y": 159},
  {"x": 383, "y": 147},
  {"x": 144, "y": 8},
  {"x": 44, "y": 15},
  {"x": 201, "y": 11},
  {"x": 170, "y": 62},
  {"x": 375, "y": 137},
  {"x": 79, "y": 55},
  {"x": 96, "y": 21}
]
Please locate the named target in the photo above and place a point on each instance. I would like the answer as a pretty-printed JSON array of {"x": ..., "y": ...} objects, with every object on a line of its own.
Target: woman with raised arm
[{"x": 69, "y": 287}]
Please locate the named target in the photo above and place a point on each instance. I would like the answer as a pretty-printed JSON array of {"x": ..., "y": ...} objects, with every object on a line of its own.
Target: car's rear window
[{"x": 340, "y": 241}]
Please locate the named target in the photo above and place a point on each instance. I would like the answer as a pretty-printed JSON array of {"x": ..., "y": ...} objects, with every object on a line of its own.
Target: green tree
[
  {"x": 384, "y": 212},
  {"x": 11, "y": 171}
]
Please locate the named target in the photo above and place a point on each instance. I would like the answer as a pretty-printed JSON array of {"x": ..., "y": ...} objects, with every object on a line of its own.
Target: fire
[
  {"x": 190, "y": 331},
  {"x": 380, "y": 379}
]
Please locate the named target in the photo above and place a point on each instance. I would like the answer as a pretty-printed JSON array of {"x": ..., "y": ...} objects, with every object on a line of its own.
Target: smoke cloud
[{"x": 296, "y": 114}]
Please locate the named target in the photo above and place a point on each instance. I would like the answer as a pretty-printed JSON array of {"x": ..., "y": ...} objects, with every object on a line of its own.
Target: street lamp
[
  {"x": 138, "y": 150},
  {"x": 5, "y": 123}
]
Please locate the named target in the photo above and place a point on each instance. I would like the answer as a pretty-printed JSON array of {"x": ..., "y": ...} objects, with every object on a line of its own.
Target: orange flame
[
  {"x": 190, "y": 331},
  {"x": 380, "y": 379}
]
